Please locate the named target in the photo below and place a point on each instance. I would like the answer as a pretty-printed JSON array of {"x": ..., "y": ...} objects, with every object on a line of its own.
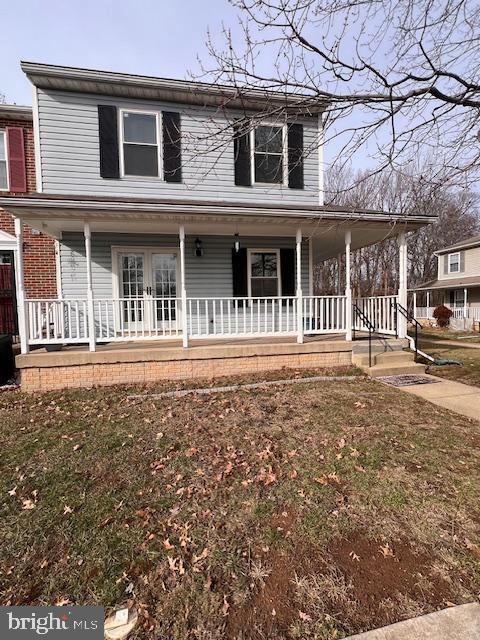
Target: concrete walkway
[
  {"x": 455, "y": 396},
  {"x": 454, "y": 623}
]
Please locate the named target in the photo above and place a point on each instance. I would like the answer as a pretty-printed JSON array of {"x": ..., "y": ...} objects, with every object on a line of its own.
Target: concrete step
[
  {"x": 395, "y": 369},
  {"x": 394, "y": 357},
  {"x": 380, "y": 345},
  {"x": 385, "y": 357}
]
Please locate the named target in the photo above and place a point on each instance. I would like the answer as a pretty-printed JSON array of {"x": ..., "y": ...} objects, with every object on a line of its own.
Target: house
[
  {"x": 17, "y": 175},
  {"x": 189, "y": 217},
  {"x": 457, "y": 285}
]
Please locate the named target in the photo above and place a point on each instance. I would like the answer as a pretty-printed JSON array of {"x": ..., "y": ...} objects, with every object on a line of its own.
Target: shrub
[{"x": 442, "y": 315}]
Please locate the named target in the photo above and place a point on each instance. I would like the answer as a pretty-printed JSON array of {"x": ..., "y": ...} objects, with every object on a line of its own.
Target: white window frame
[
  {"x": 249, "y": 269},
  {"x": 4, "y": 133},
  {"x": 450, "y": 256},
  {"x": 158, "y": 120},
  {"x": 284, "y": 153},
  {"x": 458, "y": 294}
]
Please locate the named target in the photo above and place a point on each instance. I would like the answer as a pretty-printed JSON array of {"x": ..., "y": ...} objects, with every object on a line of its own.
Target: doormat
[{"x": 406, "y": 380}]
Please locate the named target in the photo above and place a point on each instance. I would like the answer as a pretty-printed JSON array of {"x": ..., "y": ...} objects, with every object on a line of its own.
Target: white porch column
[
  {"x": 298, "y": 250},
  {"x": 20, "y": 285},
  {"x": 183, "y": 291},
  {"x": 348, "y": 286},
  {"x": 339, "y": 274},
  {"x": 90, "y": 311},
  {"x": 428, "y": 304},
  {"x": 465, "y": 306},
  {"x": 414, "y": 304},
  {"x": 402, "y": 284}
]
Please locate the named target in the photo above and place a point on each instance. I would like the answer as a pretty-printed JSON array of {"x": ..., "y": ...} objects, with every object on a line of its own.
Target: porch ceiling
[{"x": 325, "y": 225}]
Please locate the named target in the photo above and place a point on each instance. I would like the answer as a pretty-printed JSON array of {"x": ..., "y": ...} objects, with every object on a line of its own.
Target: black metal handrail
[
  {"x": 410, "y": 318},
  {"x": 370, "y": 326}
]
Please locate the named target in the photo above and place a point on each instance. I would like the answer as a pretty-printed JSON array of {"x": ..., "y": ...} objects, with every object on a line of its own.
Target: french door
[{"x": 147, "y": 288}]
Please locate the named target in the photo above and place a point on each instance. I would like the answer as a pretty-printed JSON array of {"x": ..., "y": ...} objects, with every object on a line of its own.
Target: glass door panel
[
  {"x": 164, "y": 284},
  {"x": 132, "y": 288}
]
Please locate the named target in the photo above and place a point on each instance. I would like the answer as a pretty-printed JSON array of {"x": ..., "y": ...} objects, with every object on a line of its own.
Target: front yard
[
  {"x": 469, "y": 369},
  {"x": 309, "y": 511}
]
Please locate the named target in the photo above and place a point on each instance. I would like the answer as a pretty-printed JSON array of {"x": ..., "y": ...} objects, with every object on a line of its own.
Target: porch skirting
[{"x": 42, "y": 371}]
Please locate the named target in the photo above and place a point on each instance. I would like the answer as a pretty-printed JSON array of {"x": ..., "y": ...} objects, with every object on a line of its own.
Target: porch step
[
  {"x": 380, "y": 345},
  {"x": 379, "y": 370},
  {"x": 388, "y": 363}
]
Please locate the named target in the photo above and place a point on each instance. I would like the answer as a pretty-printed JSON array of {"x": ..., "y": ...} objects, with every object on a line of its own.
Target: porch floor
[{"x": 147, "y": 350}]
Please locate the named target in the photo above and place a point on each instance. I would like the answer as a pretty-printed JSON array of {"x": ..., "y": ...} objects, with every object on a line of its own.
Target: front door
[
  {"x": 8, "y": 307},
  {"x": 147, "y": 284}
]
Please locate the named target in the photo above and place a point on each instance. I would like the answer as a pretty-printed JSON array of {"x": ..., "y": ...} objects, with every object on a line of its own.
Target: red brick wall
[{"x": 39, "y": 250}]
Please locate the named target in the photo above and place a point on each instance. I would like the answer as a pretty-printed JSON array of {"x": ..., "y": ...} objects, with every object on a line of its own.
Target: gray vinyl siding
[
  {"x": 69, "y": 150},
  {"x": 207, "y": 276}
]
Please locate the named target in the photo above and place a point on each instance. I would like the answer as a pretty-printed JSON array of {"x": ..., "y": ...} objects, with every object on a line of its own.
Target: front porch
[
  {"x": 153, "y": 273},
  {"x": 152, "y": 361}
]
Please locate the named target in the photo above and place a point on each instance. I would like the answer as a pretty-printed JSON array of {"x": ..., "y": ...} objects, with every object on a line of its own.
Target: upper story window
[
  {"x": 140, "y": 145},
  {"x": 269, "y": 163},
  {"x": 454, "y": 263},
  {"x": 264, "y": 278},
  {"x": 3, "y": 162}
]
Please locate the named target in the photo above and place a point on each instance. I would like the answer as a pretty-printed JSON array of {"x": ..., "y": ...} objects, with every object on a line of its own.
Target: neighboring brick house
[{"x": 17, "y": 175}]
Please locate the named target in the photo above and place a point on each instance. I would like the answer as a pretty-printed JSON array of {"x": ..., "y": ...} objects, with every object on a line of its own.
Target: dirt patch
[
  {"x": 360, "y": 583},
  {"x": 379, "y": 574}
]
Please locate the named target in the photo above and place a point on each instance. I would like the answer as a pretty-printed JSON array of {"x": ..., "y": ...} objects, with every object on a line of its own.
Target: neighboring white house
[
  {"x": 186, "y": 211},
  {"x": 457, "y": 284}
]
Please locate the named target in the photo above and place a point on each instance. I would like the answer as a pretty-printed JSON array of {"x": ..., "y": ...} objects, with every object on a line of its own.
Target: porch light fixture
[
  {"x": 198, "y": 248},
  {"x": 236, "y": 243}
]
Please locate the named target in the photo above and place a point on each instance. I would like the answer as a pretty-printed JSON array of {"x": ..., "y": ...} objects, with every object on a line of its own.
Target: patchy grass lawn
[
  {"x": 468, "y": 372},
  {"x": 433, "y": 333},
  {"x": 308, "y": 511}
]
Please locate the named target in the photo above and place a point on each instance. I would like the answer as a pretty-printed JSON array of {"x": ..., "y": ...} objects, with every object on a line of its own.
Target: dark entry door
[{"x": 8, "y": 305}]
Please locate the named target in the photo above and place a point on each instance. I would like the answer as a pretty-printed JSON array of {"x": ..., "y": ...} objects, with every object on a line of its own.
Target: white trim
[
  {"x": 310, "y": 266},
  {"x": 7, "y": 241},
  {"x": 58, "y": 269},
  {"x": 158, "y": 129},
  {"x": 36, "y": 142},
  {"x": 3, "y": 132},
  {"x": 450, "y": 255},
  {"x": 321, "y": 182},
  {"x": 284, "y": 153},
  {"x": 249, "y": 270}
]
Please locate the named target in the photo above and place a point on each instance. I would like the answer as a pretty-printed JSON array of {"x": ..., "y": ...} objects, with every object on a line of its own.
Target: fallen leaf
[
  {"x": 225, "y": 606},
  {"x": 67, "y": 509},
  {"x": 28, "y": 504},
  {"x": 354, "y": 556},
  {"x": 13, "y": 492},
  {"x": 61, "y": 602},
  {"x": 304, "y": 616},
  {"x": 202, "y": 556},
  {"x": 167, "y": 544},
  {"x": 387, "y": 551}
]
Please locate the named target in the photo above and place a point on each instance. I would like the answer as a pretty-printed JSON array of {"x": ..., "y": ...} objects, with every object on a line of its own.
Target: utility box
[{"x": 7, "y": 364}]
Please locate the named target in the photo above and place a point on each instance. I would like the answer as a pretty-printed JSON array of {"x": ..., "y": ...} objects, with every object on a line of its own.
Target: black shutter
[
  {"x": 287, "y": 271},
  {"x": 241, "y": 150},
  {"x": 239, "y": 273},
  {"x": 295, "y": 156},
  {"x": 445, "y": 263},
  {"x": 108, "y": 140},
  {"x": 172, "y": 147}
]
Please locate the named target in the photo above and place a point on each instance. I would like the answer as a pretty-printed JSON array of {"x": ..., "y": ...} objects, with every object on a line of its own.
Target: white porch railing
[
  {"x": 207, "y": 317},
  {"x": 123, "y": 319},
  {"x": 470, "y": 313},
  {"x": 380, "y": 311}
]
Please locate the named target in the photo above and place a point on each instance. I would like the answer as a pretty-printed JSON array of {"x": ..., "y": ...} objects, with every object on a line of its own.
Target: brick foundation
[{"x": 57, "y": 377}]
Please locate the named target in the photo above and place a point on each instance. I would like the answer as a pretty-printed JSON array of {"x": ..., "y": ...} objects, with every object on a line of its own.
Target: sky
[{"x": 147, "y": 37}]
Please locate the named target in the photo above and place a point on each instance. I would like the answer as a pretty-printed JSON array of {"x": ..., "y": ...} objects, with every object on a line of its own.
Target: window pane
[
  {"x": 270, "y": 265},
  {"x": 268, "y": 139},
  {"x": 268, "y": 168},
  {"x": 3, "y": 146},
  {"x": 264, "y": 287},
  {"x": 3, "y": 175},
  {"x": 257, "y": 264},
  {"x": 139, "y": 127},
  {"x": 139, "y": 160}
]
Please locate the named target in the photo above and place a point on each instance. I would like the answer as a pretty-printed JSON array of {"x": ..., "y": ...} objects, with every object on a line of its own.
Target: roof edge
[
  {"x": 15, "y": 111},
  {"x": 100, "y": 81}
]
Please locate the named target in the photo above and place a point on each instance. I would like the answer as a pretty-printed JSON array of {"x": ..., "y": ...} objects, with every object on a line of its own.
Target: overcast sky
[{"x": 149, "y": 37}]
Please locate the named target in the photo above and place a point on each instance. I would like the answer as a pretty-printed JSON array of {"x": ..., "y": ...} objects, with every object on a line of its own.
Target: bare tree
[
  {"x": 402, "y": 77},
  {"x": 374, "y": 268}
]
